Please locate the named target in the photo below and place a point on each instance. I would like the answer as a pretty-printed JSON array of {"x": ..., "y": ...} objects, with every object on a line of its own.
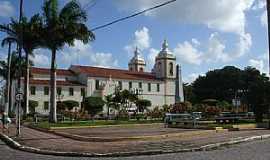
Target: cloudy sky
[{"x": 203, "y": 34}]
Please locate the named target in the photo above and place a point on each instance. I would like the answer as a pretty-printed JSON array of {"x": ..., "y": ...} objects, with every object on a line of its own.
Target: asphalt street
[{"x": 256, "y": 150}]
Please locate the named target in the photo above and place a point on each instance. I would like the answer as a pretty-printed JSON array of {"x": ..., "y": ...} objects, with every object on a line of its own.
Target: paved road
[{"x": 259, "y": 150}]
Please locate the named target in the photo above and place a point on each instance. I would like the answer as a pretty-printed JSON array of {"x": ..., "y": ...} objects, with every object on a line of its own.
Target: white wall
[{"x": 40, "y": 97}]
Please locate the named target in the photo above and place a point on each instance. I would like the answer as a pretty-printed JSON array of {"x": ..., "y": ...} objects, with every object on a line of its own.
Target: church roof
[
  {"x": 115, "y": 73},
  {"x": 46, "y": 71}
]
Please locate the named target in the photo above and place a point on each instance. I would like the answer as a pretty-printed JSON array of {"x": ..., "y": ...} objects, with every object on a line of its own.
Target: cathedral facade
[{"x": 163, "y": 85}]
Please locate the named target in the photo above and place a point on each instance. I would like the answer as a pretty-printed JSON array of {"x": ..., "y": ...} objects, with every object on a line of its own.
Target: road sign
[{"x": 19, "y": 96}]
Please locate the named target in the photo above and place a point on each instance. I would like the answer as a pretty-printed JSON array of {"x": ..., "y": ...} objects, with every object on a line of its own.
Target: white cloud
[
  {"x": 191, "y": 77},
  {"x": 41, "y": 58},
  {"x": 264, "y": 19},
  {"x": 220, "y": 15},
  {"x": 84, "y": 54},
  {"x": 6, "y": 9},
  {"x": 259, "y": 64},
  {"x": 259, "y": 4},
  {"x": 141, "y": 40},
  {"x": 195, "y": 42},
  {"x": 215, "y": 50},
  {"x": 186, "y": 52},
  {"x": 223, "y": 15},
  {"x": 103, "y": 60},
  {"x": 151, "y": 58}
]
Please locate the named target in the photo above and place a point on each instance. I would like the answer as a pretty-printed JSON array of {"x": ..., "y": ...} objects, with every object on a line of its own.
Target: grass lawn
[{"x": 47, "y": 125}]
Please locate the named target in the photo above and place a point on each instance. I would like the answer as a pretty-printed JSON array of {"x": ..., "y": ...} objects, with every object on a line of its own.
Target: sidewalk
[{"x": 52, "y": 142}]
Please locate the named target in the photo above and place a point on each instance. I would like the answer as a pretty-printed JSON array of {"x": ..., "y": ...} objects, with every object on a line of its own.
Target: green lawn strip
[{"x": 47, "y": 125}]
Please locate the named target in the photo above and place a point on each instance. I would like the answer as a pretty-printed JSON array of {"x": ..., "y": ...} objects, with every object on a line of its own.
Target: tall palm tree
[
  {"x": 16, "y": 63},
  {"x": 7, "y": 97},
  {"x": 62, "y": 27},
  {"x": 26, "y": 34}
]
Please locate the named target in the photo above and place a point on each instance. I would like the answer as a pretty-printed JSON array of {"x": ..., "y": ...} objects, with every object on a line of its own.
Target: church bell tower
[{"x": 137, "y": 63}]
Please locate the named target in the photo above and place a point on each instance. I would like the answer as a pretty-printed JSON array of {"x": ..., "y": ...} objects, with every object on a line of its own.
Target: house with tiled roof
[{"x": 163, "y": 85}]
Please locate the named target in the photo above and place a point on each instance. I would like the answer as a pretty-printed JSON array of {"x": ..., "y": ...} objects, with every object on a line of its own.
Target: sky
[{"x": 203, "y": 34}]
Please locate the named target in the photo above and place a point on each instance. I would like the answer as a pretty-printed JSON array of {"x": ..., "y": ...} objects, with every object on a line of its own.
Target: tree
[
  {"x": 70, "y": 104},
  {"x": 109, "y": 100},
  {"x": 25, "y": 33},
  {"x": 219, "y": 84},
  {"x": 188, "y": 92},
  {"x": 248, "y": 85},
  {"x": 142, "y": 104},
  {"x": 32, "y": 106},
  {"x": 15, "y": 73},
  {"x": 62, "y": 27},
  {"x": 93, "y": 105}
]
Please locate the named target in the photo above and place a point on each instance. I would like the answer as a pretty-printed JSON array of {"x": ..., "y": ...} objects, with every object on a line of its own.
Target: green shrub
[
  {"x": 93, "y": 105},
  {"x": 32, "y": 106}
]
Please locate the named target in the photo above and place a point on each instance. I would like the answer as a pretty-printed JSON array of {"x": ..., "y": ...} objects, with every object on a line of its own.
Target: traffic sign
[{"x": 19, "y": 96}]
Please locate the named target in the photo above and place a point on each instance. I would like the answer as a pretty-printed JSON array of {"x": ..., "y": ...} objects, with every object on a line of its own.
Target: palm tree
[
  {"x": 25, "y": 34},
  {"x": 7, "y": 97},
  {"x": 62, "y": 27},
  {"x": 16, "y": 63}
]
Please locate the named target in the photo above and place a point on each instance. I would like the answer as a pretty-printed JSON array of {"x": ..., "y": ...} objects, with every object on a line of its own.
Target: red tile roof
[
  {"x": 59, "y": 83},
  {"x": 62, "y": 72},
  {"x": 115, "y": 73}
]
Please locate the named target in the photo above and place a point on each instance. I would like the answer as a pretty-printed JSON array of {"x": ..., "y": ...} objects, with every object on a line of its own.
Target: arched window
[
  {"x": 141, "y": 69},
  {"x": 171, "y": 68}
]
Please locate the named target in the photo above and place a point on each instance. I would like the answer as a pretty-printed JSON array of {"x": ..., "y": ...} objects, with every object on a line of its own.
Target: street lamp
[{"x": 268, "y": 18}]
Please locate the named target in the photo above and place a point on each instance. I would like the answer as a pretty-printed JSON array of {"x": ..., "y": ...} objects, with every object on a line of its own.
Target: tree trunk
[
  {"x": 8, "y": 80},
  {"x": 10, "y": 97},
  {"x": 53, "y": 117},
  {"x": 26, "y": 85}
]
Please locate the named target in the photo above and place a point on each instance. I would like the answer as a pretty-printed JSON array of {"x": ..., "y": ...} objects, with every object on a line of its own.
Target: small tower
[
  {"x": 165, "y": 66},
  {"x": 137, "y": 63}
]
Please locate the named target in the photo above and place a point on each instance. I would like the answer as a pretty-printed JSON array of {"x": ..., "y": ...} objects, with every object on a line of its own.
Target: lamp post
[
  {"x": 268, "y": 18},
  {"x": 19, "y": 80}
]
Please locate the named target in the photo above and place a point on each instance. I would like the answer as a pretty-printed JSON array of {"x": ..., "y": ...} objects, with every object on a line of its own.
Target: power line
[
  {"x": 133, "y": 15},
  {"x": 90, "y": 4}
]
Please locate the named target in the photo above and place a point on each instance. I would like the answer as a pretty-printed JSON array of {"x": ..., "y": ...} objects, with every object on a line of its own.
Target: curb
[
  {"x": 13, "y": 144},
  {"x": 113, "y": 139}
]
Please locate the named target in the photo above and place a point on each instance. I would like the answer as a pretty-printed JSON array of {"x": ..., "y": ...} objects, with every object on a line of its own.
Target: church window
[
  {"x": 82, "y": 92},
  {"x": 33, "y": 90},
  {"x": 149, "y": 87},
  {"x": 46, "y": 90},
  {"x": 141, "y": 69},
  {"x": 71, "y": 91},
  {"x": 130, "y": 85},
  {"x": 46, "y": 105},
  {"x": 171, "y": 68},
  {"x": 120, "y": 85},
  {"x": 140, "y": 84},
  {"x": 59, "y": 90},
  {"x": 97, "y": 85}
]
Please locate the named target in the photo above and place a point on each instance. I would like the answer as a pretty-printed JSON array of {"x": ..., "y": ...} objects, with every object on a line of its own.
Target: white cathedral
[{"x": 163, "y": 85}]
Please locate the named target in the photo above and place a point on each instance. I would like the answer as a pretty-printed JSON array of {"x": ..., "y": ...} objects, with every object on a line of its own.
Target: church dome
[
  {"x": 137, "y": 59},
  {"x": 165, "y": 52}
]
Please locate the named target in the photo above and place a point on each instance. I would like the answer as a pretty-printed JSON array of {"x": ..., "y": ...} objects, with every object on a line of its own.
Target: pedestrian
[{"x": 166, "y": 121}]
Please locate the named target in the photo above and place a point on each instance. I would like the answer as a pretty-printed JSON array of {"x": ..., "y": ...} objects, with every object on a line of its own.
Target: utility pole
[
  {"x": 268, "y": 24},
  {"x": 19, "y": 80}
]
